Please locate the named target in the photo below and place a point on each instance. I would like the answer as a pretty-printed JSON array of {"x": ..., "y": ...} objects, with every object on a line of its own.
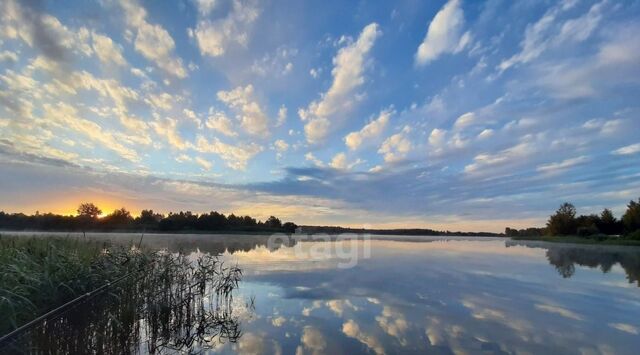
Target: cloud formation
[
  {"x": 196, "y": 98},
  {"x": 444, "y": 35},
  {"x": 348, "y": 76}
]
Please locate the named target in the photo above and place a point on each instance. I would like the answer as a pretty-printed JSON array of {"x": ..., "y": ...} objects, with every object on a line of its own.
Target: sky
[{"x": 460, "y": 115}]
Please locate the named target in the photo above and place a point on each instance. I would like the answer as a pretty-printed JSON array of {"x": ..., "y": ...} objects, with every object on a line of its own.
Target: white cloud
[
  {"x": 287, "y": 68},
  {"x": 183, "y": 158},
  {"x": 340, "y": 162},
  {"x": 484, "y": 163},
  {"x": 214, "y": 37},
  {"x": 554, "y": 168},
  {"x": 67, "y": 116},
  {"x": 152, "y": 41},
  {"x": 43, "y": 32},
  {"x": 107, "y": 51},
  {"x": 162, "y": 101},
  {"x": 281, "y": 146},
  {"x": 282, "y": 116},
  {"x": 205, "y": 6},
  {"x": 315, "y": 73},
  {"x": 628, "y": 150},
  {"x": 120, "y": 95},
  {"x": 205, "y": 164},
  {"x": 191, "y": 116},
  {"x": 371, "y": 130},
  {"x": 581, "y": 28},
  {"x": 486, "y": 133},
  {"x": 316, "y": 130},
  {"x": 376, "y": 169},
  {"x": 220, "y": 122},
  {"x": 236, "y": 157},
  {"x": 251, "y": 116},
  {"x": 437, "y": 137},
  {"x": 546, "y": 32},
  {"x": 276, "y": 64},
  {"x": 348, "y": 76},
  {"x": 396, "y": 147},
  {"x": 614, "y": 65},
  {"x": 312, "y": 158},
  {"x": 168, "y": 128},
  {"x": 8, "y": 56},
  {"x": 465, "y": 120},
  {"x": 444, "y": 34}
]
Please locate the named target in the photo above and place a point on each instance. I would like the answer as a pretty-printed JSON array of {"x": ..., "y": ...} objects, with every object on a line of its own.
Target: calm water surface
[{"x": 421, "y": 295}]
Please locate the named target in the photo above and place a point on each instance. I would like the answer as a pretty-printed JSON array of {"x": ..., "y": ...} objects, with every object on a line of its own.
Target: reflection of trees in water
[
  {"x": 177, "y": 305},
  {"x": 565, "y": 257},
  {"x": 216, "y": 245}
]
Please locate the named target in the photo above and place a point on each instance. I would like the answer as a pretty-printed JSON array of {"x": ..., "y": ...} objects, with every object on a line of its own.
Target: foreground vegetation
[
  {"x": 88, "y": 219},
  {"x": 37, "y": 275},
  {"x": 166, "y": 300},
  {"x": 563, "y": 226}
]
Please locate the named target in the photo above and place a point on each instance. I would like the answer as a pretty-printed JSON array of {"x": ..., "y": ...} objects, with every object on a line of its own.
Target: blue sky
[{"x": 444, "y": 114}]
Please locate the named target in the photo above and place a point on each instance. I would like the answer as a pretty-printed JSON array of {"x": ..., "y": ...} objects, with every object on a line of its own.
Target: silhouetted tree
[
  {"x": 120, "y": 218},
  {"x": 631, "y": 217},
  {"x": 289, "y": 227},
  {"x": 148, "y": 219},
  {"x": 587, "y": 225},
  {"x": 89, "y": 210},
  {"x": 563, "y": 222},
  {"x": 273, "y": 222},
  {"x": 609, "y": 224},
  {"x": 528, "y": 232}
]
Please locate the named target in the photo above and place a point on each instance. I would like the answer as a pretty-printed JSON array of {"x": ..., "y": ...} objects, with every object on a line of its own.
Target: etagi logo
[{"x": 345, "y": 249}]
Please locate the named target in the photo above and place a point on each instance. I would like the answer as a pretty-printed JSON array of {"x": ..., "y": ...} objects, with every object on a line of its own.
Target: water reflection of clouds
[
  {"x": 432, "y": 296},
  {"x": 627, "y": 328},
  {"x": 559, "y": 310},
  {"x": 351, "y": 329},
  {"x": 412, "y": 300},
  {"x": 312, "y": 340}
]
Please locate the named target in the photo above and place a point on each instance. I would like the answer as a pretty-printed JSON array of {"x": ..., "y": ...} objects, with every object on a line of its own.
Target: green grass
[
  {"x": 40, "y": 274},
  {"x": 599, "y": 240}
]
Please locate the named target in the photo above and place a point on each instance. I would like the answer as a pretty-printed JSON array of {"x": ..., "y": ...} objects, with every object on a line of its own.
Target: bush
[
  {"x": 587, "y": 231},
  {"x": 634, "y": 236}
]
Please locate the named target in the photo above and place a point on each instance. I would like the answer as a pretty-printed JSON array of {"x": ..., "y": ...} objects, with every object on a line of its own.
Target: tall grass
[
  {"x": 40, "y": 274},
  {"x": 171, "y": 301}
]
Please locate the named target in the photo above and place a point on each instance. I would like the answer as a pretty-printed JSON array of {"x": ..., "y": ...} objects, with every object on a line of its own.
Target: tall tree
[
  {"x": 608, "y": 223},
  {"x": 631, "y": 218},
  {"x": 88, "y": 210},
  {"x": 273, "y": 222},
  {"x": 563, "y": 222}
]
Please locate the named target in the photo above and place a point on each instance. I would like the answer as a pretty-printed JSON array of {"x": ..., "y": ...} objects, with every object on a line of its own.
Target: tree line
[
  {"x": 121, "y": 219},
  {"x": 564, "y": 222},
  {"x": 400, "y": 231}
]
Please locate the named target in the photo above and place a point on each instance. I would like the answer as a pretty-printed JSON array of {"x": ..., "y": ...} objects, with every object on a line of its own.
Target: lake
[{"x": 397, "y": 294}]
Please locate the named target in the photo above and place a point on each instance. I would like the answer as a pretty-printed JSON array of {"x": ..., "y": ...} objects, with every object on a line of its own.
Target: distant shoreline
[
  {"x": 582, "y": 240},
  {"x": 254, "y": 232}
]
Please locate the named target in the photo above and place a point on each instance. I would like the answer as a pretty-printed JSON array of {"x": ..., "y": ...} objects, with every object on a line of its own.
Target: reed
[
  {"x": 38, "y": 274},
  {"x": 171, "y": 301}
]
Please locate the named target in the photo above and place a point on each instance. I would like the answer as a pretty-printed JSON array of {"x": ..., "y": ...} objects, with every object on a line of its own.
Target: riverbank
[{"x": 583, "y": 240}]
